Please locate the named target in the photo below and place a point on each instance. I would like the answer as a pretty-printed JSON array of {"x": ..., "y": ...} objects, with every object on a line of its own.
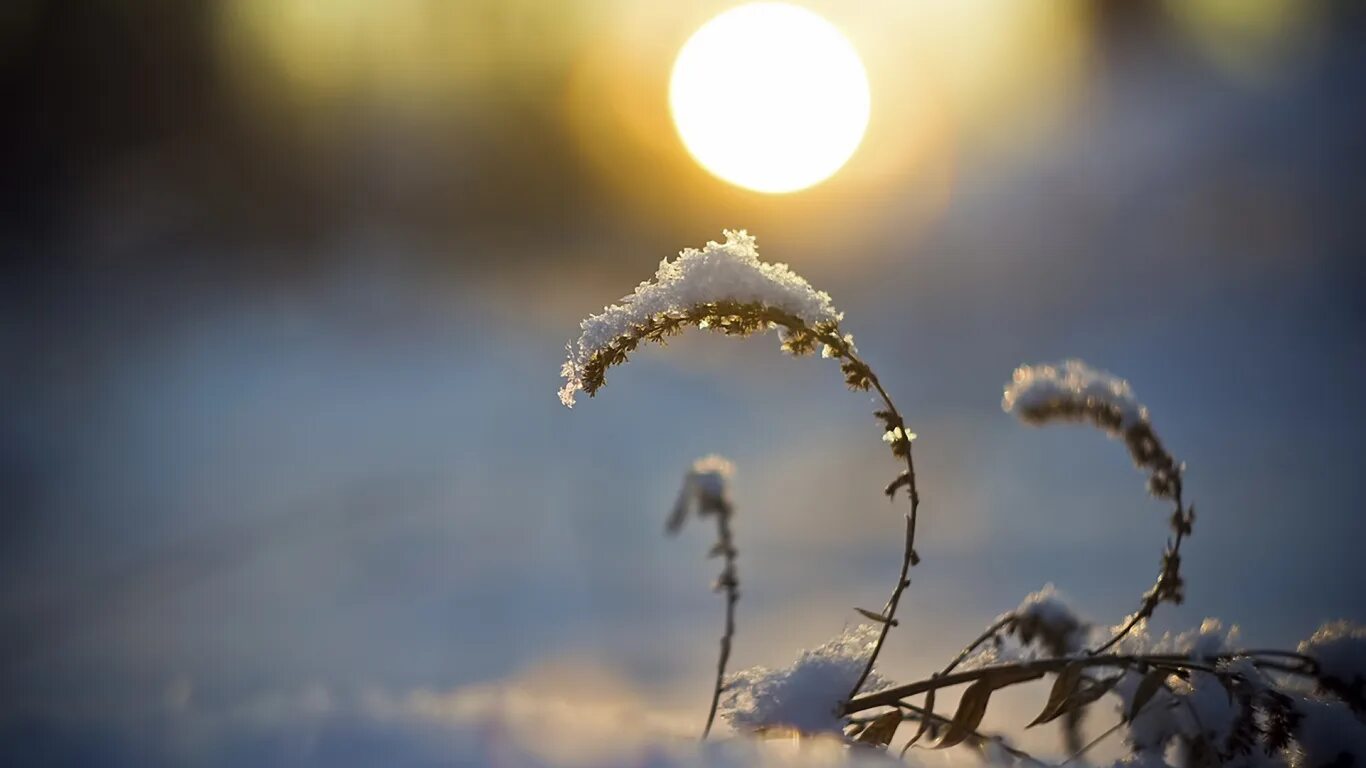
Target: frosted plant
[
  {"x": 1197, "y": 696},
  {"x": 807, "y": 695},
  {"x": 722, "y": 287},
  {"x": 1044, "y": 617},
  {"x": 1073, "y": 391},
  {"x": 706, "y": 493}
]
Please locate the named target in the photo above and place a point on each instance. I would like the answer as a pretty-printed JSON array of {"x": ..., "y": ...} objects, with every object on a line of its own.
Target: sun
[{"x": 770, "y": 97}]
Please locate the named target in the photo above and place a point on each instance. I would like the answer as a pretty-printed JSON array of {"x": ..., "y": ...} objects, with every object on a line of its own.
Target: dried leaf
[
  {"x": 879, "y": 618},
  {"x": 1081, "y": 697},
  {"x": 971, "y": 710},
  {"x": 880, "y": 731},
  {"x": 1063, "y": 687},
  {"x": 903, "y": 479},
  {"x": 1148, "y": 687},
  {"x": 973, "y": 706}
]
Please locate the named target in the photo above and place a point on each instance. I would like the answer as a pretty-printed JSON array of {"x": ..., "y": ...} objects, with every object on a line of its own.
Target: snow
[
  {"x": 709, "y": 477},
  {"x": 1328, "y": 729},
  {"x": 1339, "y": 647},
  {"x": 1046, "y": 615},
  {"x": 729, "y": 271},
  {"x": 806, "y": 695},
  {"x": 1072, "y": 390}
]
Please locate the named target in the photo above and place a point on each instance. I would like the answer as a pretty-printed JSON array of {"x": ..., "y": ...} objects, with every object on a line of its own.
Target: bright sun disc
[{"x": 769, "y": 96}]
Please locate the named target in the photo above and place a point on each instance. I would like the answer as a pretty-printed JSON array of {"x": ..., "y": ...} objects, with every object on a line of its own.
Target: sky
[{"x": 287, "y": 289}]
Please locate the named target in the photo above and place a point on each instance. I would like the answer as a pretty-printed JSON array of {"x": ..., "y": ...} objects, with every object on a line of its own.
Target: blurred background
[{"x": 287, "y": 283}]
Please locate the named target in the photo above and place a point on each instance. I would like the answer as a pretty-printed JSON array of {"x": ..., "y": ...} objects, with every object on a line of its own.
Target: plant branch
[
  {"x": 860, "y": 375},
  {"x": 891, "y": 696},
  {"x": 1168, "y": 585},
  {"x": 901, "y": 583},
  {"x": 730, "y": 581}
]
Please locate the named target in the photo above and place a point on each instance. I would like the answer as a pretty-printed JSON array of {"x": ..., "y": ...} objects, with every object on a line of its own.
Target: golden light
[{"x": 770, "y": 97}]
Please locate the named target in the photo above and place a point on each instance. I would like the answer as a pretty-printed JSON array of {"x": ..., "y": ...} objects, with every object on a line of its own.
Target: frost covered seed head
[
  {"x": 705, "y": 490},
  {"x": 1074, "y": 391},
  {"x": 1044, "y": 617},
  {"x": 722, "y": 287},
  {"x": 806, "y": 696}
]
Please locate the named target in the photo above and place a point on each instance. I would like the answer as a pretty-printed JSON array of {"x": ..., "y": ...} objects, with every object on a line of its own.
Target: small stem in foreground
[
  {"x": 731, "y": 583},
  {"x": 901, "y": 584}
]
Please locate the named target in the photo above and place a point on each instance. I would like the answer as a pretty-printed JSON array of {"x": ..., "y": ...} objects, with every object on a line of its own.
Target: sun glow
[{"x": 769, "y": 96}]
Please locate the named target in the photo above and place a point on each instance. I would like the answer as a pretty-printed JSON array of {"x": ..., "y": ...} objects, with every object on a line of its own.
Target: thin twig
[
  {"x": 731, "y": 582},
  {"x": 986, "y": 635},
  {"x": 901, "y": 583},
  {"x": 1155, "y": 596},
  {"x": 1092, "y": 743}
]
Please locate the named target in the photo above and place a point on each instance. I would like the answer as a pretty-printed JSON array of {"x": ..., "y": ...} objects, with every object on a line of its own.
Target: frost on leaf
[
  {"x": 722, "y": 287},
  {"x": 807, "y": 695}
]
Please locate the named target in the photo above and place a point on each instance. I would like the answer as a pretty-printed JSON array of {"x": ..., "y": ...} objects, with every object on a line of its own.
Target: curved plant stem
[
  {"x": 1156, "y": 595},
  {"x": 890, "y": 611},
  {"x": 730, "y": 581},
  {"x": 859, "y": 374}
]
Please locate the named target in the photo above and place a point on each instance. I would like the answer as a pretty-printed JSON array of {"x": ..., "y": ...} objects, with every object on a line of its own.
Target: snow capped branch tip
[
  {"x": 1047, "y": 617},
  {"x": 722, "y": 287},
  {"x": 705, "y": 491},
  {"x": 1073, "y": 391}
]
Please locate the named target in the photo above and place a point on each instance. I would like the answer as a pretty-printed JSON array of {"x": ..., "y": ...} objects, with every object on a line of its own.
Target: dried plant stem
[
  {"x": 891, "y": 697},
  {"x": 986, "y": 635},
  {"x": 890, "y": 611},
  {"x": 731, "y": 583},
  {"x": 1170, "y": 570},
  {"x": 859, "y": 373}
]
